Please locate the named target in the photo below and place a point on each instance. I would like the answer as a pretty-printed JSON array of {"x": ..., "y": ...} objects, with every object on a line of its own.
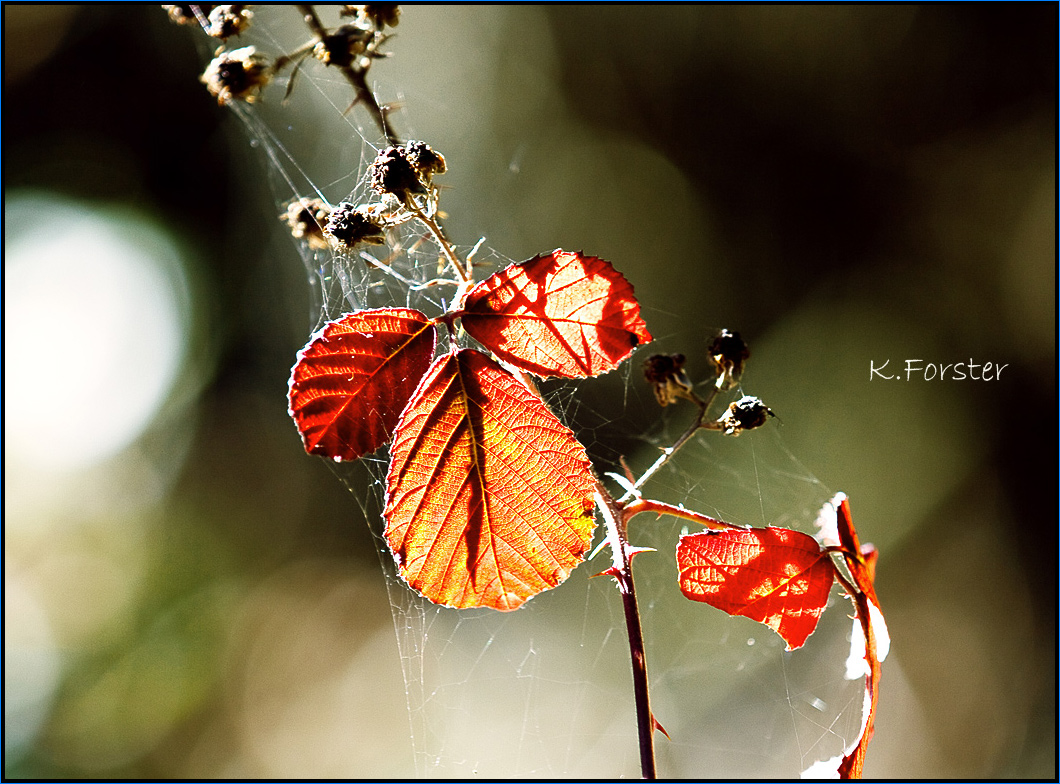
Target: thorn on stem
[{"x": 656, "y": 725}]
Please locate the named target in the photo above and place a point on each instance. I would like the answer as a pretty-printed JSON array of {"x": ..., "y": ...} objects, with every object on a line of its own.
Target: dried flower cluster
[
  {"x": 727, "y": 353},
  {"x": 228, "y": 20},
  {"x": 350, "y": 225},
  {"x": 237, "y": 75},
  {"x": 406, "y": 171},
  {"x": 378, "y": 15},
  {"x": 401, "y": 174},
  {"x": 241, "y": 74}
]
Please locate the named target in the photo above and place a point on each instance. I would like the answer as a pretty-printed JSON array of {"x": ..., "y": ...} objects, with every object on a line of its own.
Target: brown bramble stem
[
  {"x": 283, "y": 60},
  {"x": 616, "y": 516},
  {"x": 621, "y": 570},
  {"x": 851, "y": 766}
]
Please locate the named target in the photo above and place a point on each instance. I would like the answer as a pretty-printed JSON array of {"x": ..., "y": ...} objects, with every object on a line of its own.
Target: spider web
[{"x": 546, "y": 691}]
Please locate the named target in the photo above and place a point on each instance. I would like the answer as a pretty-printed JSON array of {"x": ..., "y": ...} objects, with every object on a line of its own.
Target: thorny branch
[
  {"x": 622, "y": 572},
  {"x": 402, "y": 174}
]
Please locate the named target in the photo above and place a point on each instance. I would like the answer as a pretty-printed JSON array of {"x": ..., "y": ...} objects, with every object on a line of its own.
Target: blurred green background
[{"x": 188, "y": 595}]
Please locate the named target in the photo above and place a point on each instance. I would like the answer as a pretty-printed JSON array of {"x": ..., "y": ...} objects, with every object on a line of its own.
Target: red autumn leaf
[
  {"x": 560, "y": 314},
  {"x": 773, "y": 575},
  {"x": 354, "y": 377},
  {"x": 489, "y": 497}
]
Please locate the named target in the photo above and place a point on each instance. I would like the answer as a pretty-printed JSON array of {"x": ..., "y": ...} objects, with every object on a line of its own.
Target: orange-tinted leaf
[
  {"x": 489, "y": 497},
  {"x": 354, "y": 377},
  {"x": 773, "y": 575},
  {"x": 561, "y": 314}
]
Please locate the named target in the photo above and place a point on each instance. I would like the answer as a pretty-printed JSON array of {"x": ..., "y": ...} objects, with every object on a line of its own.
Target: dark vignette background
[{"x": 827, "y": 167}]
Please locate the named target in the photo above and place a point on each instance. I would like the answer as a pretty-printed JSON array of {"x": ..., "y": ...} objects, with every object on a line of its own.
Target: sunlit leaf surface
[
  {"x": 354, "y": 377},
  {"x": 773, "y": 575},
  {"x": 489, "y": 496},
  {"x": 560, "y": 314}
]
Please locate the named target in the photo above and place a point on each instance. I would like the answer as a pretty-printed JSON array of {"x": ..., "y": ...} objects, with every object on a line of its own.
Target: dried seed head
[
  {"x": 343, "y": 45},
  {"x": 424, "y": 160},
  {"x": 307, "y": 218},
  {"x": 349, "y": 225},
  {"x": 391, "y": 172},
  {"x": 665, "y": 372},
  {"x": 378, "y": 14},
  {"x": 228, "y": 20},
  {"x": 237, "y": 75},
  {"x": 185, "y": 14},
  {"x": 728, "y": 352},
  {"x": 747, "y": 413}
]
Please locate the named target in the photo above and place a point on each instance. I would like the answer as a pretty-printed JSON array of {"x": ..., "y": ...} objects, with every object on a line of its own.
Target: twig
[
  {"x": 466, "y": 281},
  {"x": 642, "y": 505},
  {"x": 622, "y": 571},
  {"x": 700, "y": 421}
]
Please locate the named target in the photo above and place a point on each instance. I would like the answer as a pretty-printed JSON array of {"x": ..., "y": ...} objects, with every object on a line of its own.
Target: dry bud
[
  {"x": 341, "y": 47},
  {"x": 667, "y": 376},
  {"x": 349, "y": 225},
  {"x": 747, "y": 413},
  {"x": 237, "y": 75},
  {"x": 228, "y": 20},
  {"x": 378, "y": 14},
  {"x": 402, "y": 171},
  {"x": 307, "y": 218},
  {"x": 728, "y": 352},
  {"x": 424, "y": 160},
  {"x": 185, "y": 14}
]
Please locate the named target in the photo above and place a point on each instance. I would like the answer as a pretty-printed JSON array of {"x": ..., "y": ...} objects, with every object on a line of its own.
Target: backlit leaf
[
  {"x": 561, "y": 314},
  {"x": 489, "y": 497},
  {"x": 354, "y": 377},
  {"x": 773, "y": 575}
]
